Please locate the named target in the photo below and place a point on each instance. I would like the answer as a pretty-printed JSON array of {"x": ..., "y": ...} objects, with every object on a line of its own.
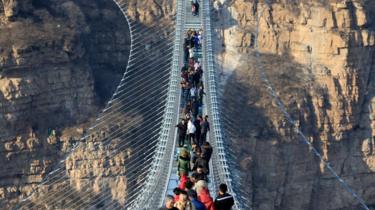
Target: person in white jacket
[
  {"x": 191, "y": 131},
  {"x": 191, "y": 52}
]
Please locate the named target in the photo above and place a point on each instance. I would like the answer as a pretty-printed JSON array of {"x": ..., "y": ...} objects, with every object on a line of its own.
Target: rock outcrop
[
  {"x": 318, "y": 55},
  {"x": 88, "y": 42},
  {"x": 60, "y": 61}
]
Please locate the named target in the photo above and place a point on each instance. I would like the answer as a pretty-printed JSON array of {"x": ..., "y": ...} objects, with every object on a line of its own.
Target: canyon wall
[
  {"x": 84, "y": 47},
  {"x": 60, "y": 61},
  {"x": 109, "y": 169},
  {"x": 318, "y": 56}
]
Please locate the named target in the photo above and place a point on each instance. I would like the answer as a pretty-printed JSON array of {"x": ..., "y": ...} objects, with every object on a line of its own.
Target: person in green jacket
[{"x": 184, "y": 162}]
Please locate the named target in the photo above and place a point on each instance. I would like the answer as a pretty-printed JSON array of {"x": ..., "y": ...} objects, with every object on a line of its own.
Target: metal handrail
[
  {"x": 157, "y": 179},
  {"x": 221, "y": 172}
]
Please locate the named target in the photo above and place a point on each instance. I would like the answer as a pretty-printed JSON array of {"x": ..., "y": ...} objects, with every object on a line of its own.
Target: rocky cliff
[
  {"x": 109, "y": 168},
  {"x": 57, "y": 58},
  {"x": 59, "y": 62},
  {"x": 318, "y": 56}
]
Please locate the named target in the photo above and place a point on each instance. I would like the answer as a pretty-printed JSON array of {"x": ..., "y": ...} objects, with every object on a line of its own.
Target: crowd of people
[
  {"x": 193, "y": 125},
  {"x": 195, "y": 151},
  {"x": 199, "y": 199}
]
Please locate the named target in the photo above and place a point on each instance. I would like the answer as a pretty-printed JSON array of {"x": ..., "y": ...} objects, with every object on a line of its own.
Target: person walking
[
  {"x": 201, "y": 173},
  {"x": 204, "y": 195},
  {"x": 193, "y": 92},
  {"x": 196, "y": 39},
  {"x": 197, "y": 65},
  {"x": 200, "y": 38},
  {"x": 193, "y": 9},
  {"x": 183, "y": 202},
  {"x": 196, "y": 4},
  {"x": 197, "y": 8},
  {"x": 205, "y": 127},
  {"x": 169, "y": 203},
  {"x": 183, "y": 180},
  {"x": 201, "y": 162},
  {"x": 194, "y": 112},
  {"x": 191, "y": 53},
  {"x": 183, "y": 164},
  {"x": 193, "y": 196},
  {"x": 200, "y": 95},
  {"x": 196, "y": 153},
  {"x": 187, "y": 51},
  {"x": 191, "y": 132},
  {"x": 207, "y": 151},
  {"x": 224, "y": 200},
  {"x": 182, "y": 129}
]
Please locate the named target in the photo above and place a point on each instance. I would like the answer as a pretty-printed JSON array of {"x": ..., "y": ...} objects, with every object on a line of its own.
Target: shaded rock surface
[
  {"x": 319, "y": 57},
  {"x": 95, "y": 42},
  {"x": 60, "y": 61},
  {"x": 110, "y": 167}
]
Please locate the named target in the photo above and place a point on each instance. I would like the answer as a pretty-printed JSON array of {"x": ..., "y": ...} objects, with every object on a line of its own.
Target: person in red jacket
[
  {"x": 183, "y": 181},
  {"x": 204, "y": 195}
]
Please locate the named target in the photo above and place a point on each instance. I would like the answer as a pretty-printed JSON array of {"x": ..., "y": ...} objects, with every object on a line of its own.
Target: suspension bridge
[{"x": 140, "y": 119}]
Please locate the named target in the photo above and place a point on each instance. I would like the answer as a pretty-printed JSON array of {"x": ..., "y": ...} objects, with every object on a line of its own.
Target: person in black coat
[
  {"x": 182, "y": 128},
  {"x": 224, "y": 200},
  {"x": 205, "y": 128},
  {"x": 207, "y": 151},
  {"x": 201, "y": 173},
  {"x": 201, "y": 162}
]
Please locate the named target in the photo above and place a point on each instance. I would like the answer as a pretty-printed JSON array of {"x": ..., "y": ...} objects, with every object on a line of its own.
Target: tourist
[
  {"x": 197, "y": 122},
  {"x": 191, "y": 53},
  {"x": 193, "y": 9},
  {"x": 193, "y": 196},
  {"x": 183, "y": 180},
  {"x": 191, "y": 131},
  {"x": 194, "y": 111},
  {"x": 189, "y": 185},
  {"x": 193, "y": 92},
  {"x": 201, "y": 161},
  {"x": 196, "y": 65},
  {"x": 201, "y": 93},
  {"x": 176, "y": 194},
  {"x": 224, "y": 201},
  {"x": 196, "y": 152},
  {"x": 200, "y": 173},
  {"x": 207, "y": 151},
  {"x": 183, "y": 202},
  {"x": 204, "y": 195},
  {"x": 169, "y": 203},
  {"x": 205, "y": 127},
  {"x": 196, "y": 39},
  {"x": 182, "y": 129},
  {"x": 183, "y": 162}
]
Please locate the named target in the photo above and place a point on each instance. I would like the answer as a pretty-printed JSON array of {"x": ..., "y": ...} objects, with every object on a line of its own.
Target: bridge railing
[
  {"x": 154, "y": 191},
  {"x": 220, "y": 164}
]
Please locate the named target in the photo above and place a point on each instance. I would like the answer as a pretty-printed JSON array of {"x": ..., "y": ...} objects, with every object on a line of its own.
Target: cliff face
[
  {"x": 110, "y": 168},
  {"x": 59, "y": 62},
  {"x": 318, "y": 55},
  {"x": 66, "y": 69}
]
